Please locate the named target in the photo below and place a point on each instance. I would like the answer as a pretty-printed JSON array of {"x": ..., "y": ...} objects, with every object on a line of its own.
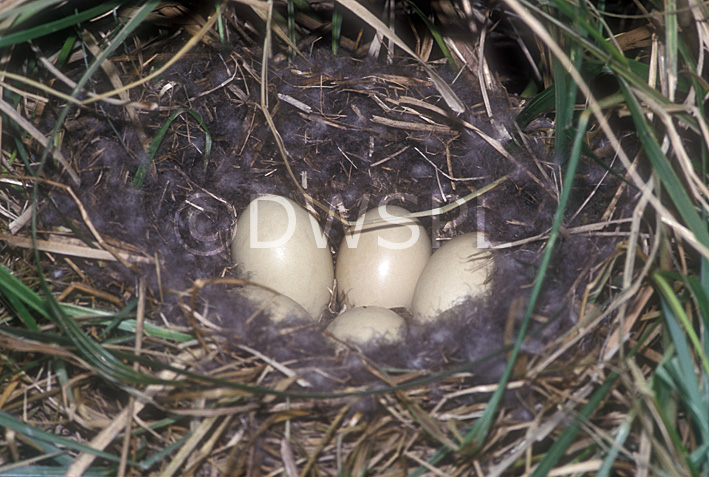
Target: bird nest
[{"x": 135, "y": 228}]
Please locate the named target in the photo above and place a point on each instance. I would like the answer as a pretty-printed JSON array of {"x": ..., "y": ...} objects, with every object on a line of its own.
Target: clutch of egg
[{"x": 384, "y": 262}]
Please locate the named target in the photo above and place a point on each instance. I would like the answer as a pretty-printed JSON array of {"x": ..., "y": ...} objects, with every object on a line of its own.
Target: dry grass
[{"x": 111, "y": 364}]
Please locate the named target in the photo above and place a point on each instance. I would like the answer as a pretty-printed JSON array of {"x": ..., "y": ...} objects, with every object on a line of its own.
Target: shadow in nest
[{"x": 357, "y": 133}]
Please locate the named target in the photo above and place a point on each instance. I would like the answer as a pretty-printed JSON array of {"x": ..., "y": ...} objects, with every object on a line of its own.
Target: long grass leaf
[
  {"x": 608, "y": 55},
  {"x": 566, "y": 439},
  {"x": 22, "y": 312},
  {"x": 699, "y": 292},
  {"x": 663, "y": 167},
  {"x": 20, "y": 294},
  {"x": 140, "y": 14},
  {"x": 474, "y": 437},
  {"x": 158, "y": 456},
  {"x": 102, "y": 361},
  {"x": 671, "y": 46},
  {"x": 25, "y": 35},
  {"x": 435, "y": 32},
  {"x": 622, "y": 434},
  {"x": 679, "y": 372},
  {"x": 674, "y": 315},
  {"x": 666, "y": 389},
  {"x": 562, "y": 443},
  {"x": 540, "y": 104},
  {"x": 10, "y": 422},
  {"x": 46, "y": 471},
  {"x": 21, "y": 297}
]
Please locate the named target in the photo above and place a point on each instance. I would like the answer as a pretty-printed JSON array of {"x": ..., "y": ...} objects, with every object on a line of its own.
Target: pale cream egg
[
  {"x": 379, "y": 263},
  {"x": 271, "y": 306},
  {"x": 459, "y": 270},
  {"x": 280, "y": 245},
  {"x": 368, "y": 324}
]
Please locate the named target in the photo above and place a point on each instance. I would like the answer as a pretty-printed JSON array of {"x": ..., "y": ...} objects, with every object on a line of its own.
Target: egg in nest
[
  {"x": 460, "y": 270},
  {"x": 280, "y": 245},
  {"x": 364, "y": 325},
  {"x": 380, "y": 259}
]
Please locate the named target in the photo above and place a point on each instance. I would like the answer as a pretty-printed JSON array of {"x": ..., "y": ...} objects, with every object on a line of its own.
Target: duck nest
[{"x": 134, "y": 228}]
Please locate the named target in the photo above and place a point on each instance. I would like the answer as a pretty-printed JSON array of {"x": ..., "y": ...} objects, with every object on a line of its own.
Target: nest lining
[{"x": 356, "y": 135}]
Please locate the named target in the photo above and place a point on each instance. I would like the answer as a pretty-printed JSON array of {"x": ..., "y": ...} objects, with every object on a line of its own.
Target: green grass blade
[
  {"x": 10, "y": 422},
  {"x": 153, "y": 331},
  {"x": 221, "y": 27},
  {"x": 698, "y": 458},
  {"x": 671, "y": 45},
  {"x": 336, "y": 28},
  {"x": 118, "y": 318},
  {"x": 27, "y": 10},
  {"x": 25, "y": 35},
  {"x": 679, "y": 372},
  {"x": 566, "y": 438},
  {"x": 20, "y": 297},
  {"x": 605, "y": 53},
  {"x": 699, "y": 293},
  {"x": 674, "y": 315},
  {"x": 141, "y": 13},
  {"x": 158, "y": 456},
  {"x": 44, "y": 471},
  {"x": 565, "y": 93},
  {"x": 101, "y": 360},
  {"x": 663, "y": 168},
  {"x": 66, "y": 50},
  {"x": 539, "y": 105},
  {"x": 666, "y": 391},
  {"x": 291, "y": 24},
  {"x": 624, "y": 431},
  {"x": 474, "y": 438},
  {"x": 435, "y": 33},
  {"x": 157, "y": 140},
  {"x": 672, "y": 375},
  {"x": 22, "y": 312},
  {"x": 582, "y": 28}
]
